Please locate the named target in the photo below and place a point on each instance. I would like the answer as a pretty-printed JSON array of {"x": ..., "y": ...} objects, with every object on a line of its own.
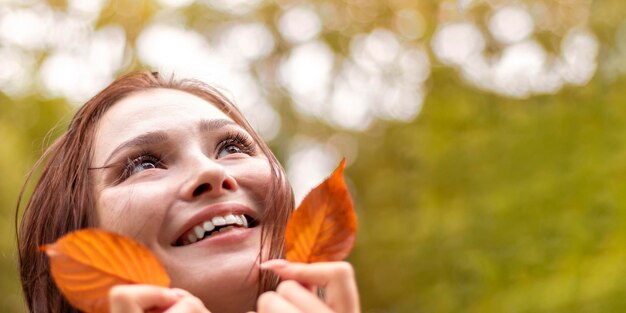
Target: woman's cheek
[
  {"x": 133, "y": 210},
  {"x": 254, "y": 176}
]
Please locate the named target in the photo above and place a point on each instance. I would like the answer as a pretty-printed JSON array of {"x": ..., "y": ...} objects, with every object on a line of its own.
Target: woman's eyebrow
[
  {"x": 215, "y": 124},
  {"x": 149, "y": 138}
]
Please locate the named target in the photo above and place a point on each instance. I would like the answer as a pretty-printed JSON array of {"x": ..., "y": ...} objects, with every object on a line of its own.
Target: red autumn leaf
[
  {"x": 85, "y": 265},
  {"x": 323, "y": 228}
]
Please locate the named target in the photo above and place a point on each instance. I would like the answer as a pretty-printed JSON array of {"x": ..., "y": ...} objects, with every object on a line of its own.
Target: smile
[{"x": 218, "y": 224}]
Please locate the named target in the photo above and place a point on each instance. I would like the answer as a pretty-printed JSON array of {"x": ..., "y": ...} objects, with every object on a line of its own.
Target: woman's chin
[
  {"x": 232, "y": 290},
  {"x": 244, "y": 301},
  {"x": 226, "y": 281}
]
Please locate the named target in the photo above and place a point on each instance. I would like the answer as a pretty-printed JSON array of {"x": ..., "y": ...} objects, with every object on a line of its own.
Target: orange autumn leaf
[
  {"x": 85, "y": 265},
  {"x": 323, "y": 228}
]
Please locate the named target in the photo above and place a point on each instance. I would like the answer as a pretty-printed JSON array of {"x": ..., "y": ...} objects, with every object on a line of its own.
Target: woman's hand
[
  {"x": 337, "y": 279},
  {"x": 147, "y": 298}
]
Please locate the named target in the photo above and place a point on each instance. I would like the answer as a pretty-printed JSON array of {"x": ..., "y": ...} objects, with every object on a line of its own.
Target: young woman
[{"x": 174, "y": 165}]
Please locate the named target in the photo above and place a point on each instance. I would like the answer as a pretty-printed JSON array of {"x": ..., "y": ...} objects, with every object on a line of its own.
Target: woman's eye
[
  {"x": 229, "y": 149},
  {"x": 141, "y": 164},
  {"x": 235, "y": 143}
]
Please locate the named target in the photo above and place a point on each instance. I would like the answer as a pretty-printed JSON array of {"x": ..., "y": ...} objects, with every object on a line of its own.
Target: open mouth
[{"x": 217, "y": 224}]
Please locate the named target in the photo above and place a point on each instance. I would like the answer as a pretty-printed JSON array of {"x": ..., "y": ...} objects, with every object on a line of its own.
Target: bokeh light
[{"x": 483, "y": 138}]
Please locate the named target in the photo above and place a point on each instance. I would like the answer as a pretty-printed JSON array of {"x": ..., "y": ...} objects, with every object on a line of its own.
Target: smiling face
[{"x": 183, "y": 179}]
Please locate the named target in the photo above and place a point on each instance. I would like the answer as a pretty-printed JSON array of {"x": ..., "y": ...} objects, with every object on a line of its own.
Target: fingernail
[
  {"x": 179, "y": 293},
  {"x": 274, "y": 264}
]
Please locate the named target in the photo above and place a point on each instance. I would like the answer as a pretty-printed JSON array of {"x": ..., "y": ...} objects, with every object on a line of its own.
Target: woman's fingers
[
  {"x": 139, "y": 298},
  {"x": 336, "y": 277},
  {"x": 301, "y": 297},
  {"x": 146, "y": 298},
  {"x": 272, "y": 302},
  {"x": 188, "y": 304}
]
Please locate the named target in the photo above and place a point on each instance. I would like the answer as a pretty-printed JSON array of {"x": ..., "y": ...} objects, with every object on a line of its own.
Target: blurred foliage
[
  {"x": 482, "y": 203},
  {"x": 487, "y": 204}
]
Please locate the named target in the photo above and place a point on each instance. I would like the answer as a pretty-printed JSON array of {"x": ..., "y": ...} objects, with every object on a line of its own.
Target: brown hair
[{"x": 62, "y": 200}]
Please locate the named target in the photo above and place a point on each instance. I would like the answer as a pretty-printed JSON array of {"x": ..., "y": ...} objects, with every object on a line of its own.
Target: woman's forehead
[
  {"x": 154, "y": 101},
  {"x": 152, "y": 110}
]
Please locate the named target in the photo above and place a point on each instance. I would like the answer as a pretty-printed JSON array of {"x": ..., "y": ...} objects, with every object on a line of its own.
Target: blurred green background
[{"x": 486, "y": 139}]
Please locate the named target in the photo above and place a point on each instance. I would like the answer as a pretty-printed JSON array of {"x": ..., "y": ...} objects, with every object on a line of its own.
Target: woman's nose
[{"x": 207, "y": 179}]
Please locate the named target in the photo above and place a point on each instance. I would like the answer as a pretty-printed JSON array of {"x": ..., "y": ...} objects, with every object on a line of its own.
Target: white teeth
[
  {"x": 219, "y": 221},
  {"x": 226, "y": 228},
  {"x": 199, "y": 232},
  {"x": 208, "y": 226},
  {"x": 238, "y": 220},
  {"x": 192, "y": 238},
  {"x": 230, "y": 219}
]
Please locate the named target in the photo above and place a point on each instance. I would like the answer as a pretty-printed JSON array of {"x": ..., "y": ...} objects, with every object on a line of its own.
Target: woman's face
[{"x": 188, "y": 183}]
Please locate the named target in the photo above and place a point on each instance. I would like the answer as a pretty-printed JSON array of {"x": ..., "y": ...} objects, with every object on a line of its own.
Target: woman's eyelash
[
  {"x": 245, "y": 143},
  {"x": 132, "y": 162}
]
